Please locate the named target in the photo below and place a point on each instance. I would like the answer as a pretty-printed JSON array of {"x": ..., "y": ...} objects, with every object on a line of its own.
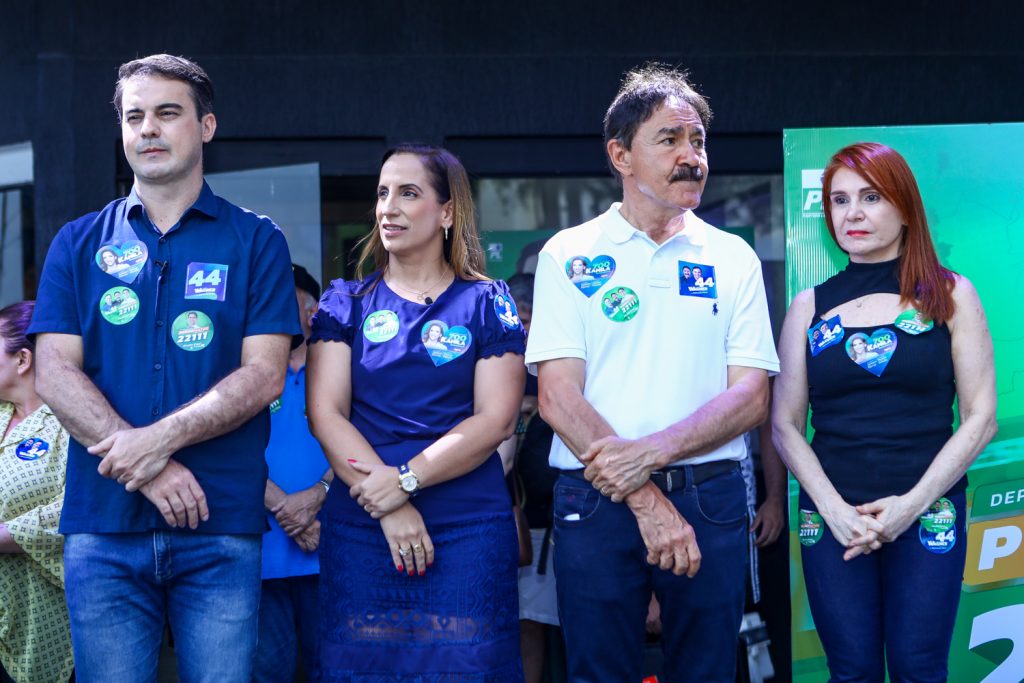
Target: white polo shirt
[{"x": 657, "y": 347}]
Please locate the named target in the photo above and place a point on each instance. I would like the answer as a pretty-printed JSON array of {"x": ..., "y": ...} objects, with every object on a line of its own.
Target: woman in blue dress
[{"x": 419, "y": 552}]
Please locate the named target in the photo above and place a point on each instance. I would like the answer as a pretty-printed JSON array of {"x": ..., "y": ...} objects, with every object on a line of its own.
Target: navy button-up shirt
[{"x": 162, "y": 318}]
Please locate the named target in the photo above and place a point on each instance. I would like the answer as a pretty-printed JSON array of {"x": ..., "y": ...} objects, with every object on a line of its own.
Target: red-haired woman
[{"x": 884, "y": 472}]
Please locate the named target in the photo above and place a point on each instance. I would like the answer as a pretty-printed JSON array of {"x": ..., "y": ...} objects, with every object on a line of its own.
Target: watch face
[{"x": 409, "y": 482}]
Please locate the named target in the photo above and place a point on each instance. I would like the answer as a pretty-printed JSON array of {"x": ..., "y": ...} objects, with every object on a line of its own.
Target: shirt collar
[
  {"x": 619, "y": 230},
  {"x": 205, "y": 203}
]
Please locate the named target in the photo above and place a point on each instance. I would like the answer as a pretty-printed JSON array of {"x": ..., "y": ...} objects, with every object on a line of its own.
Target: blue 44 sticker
[{"x": 206, "y": 281}]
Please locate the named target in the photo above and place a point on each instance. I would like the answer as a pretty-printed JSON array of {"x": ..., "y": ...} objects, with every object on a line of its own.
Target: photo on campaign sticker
[
  {"x": 506, "y": 311},
  {"x": 192, "y": 330},
  {"x": 32, "y": 449},
  {"x": 913, "y": 322},
  {"x": 824, "y": 334},
  {"x": 124, "y": 261},
  {"x": 872, "y": 353},
  {"x": 119, "y": 305},
  {"x": 697, "y": 279},
  {"x": 811, "y": 527},
  {"x": 589, "y": 275},
  {"x": 443, "y": 343},
  {"x": 620, "y": 304},
  {"x": 380, "y": 326},
  {"x": 206, "y": 281}
]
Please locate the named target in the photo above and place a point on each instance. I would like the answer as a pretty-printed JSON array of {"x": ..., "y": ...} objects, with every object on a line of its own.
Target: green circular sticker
[
  {"x": 811, "y": 527},
  {"x": 192, "y": 330},
  {"x": 119, "y": 305},
  {"x": 913, "y": 322},
  {"x": 940, "y": 516},
  {"x": 620, "y": 304},
  {"x": 380, "y": 326},
  {"x": 276, "y": 405}
]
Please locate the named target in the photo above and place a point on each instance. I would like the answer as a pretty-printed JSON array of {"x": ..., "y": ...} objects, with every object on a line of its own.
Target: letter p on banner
[{"x": 995, "y": 551}]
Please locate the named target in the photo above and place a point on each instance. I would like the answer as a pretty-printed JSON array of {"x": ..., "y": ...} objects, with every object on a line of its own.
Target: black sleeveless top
[{"x": 876, "y": 435}]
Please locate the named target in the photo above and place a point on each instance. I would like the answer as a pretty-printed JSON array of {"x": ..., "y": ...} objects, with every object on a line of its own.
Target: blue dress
[{"x": 412, "y": 381}]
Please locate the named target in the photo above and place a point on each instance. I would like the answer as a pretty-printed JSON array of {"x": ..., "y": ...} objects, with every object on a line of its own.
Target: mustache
[
  {"x": 690, "y": 173},
  {"x": 142, "y": 146}
]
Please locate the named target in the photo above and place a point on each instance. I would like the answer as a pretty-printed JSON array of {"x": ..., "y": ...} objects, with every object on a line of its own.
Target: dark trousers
[
  {"x": 289, "y": 623},
  {"x": 894, "y": 607},
  {"x": 605, "y": 584}
]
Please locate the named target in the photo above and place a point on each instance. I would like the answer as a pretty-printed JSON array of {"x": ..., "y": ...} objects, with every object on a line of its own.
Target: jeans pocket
[
  {"x": 574, "y": 501},
  {"x": 723, "y": 500}
]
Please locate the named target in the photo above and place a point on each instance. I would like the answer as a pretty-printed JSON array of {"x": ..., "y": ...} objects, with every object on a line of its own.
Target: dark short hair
[
  {"x": 643, "y": 90},
  {"x": 520, "y": 287},
  {"x": 172, "y": 68},
  {"x": 305, "y": 281},
  {"x": 14, "y": 321}
]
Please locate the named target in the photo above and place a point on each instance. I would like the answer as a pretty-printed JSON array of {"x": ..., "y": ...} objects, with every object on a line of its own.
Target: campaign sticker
[
  {"x": 124, "y": 261},
  {"x": 32, "y": 449},
  {"x": 192, "y": 330},
  {"x": 119, "y": 305},
  {"x": 913, "y": 322},
  {"x": 811, "y": 527},
  {"x": 824, "y": 334},
  {"x": 206, "y": 281},
  {"x": 506, "y": 311},
  {"x": 940, "y": 516},
  {"x": 443, "y": 343},
  {"x": 380, "y": 326},
  {"x": 589, "y": 275},
  {"x": 872, "y": 353},
  {"x": 275, "y": 405},
  {"x": 938, "y": 542},
  {"x": 620, "y": 304},
  {"x": 697, "y": 279}
]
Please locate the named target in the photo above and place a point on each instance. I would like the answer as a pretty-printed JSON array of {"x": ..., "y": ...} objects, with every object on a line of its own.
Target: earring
[{"x": 446, "y": 232}]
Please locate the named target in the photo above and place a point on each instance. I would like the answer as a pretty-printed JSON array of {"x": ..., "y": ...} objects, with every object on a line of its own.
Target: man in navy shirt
[{"x": 168, "y": 414}]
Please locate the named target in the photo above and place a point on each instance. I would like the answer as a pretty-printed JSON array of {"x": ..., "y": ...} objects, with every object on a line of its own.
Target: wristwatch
[{"x": 407, "y": 480}]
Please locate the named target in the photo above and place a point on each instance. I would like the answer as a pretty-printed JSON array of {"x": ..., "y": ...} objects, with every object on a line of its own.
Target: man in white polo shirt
[{"x": 650, "y": 380}]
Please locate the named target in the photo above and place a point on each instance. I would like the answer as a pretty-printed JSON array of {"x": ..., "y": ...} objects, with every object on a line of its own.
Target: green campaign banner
[{"x": 971, "y": 184}]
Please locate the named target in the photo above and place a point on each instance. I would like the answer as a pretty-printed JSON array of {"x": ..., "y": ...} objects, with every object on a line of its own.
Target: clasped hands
[
  {"x": 864, "y": 528},
  {"x": 620, "y": 469},
  {"x": 138, "y": 458}
]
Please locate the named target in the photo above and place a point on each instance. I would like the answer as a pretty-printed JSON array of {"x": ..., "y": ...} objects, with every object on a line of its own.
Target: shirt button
[
  {"x": 162, "y": 240},
  {"x": 155, "y": 412},
  {"x": 159, "y": 323},
  {"x": 157, "y": 366}
]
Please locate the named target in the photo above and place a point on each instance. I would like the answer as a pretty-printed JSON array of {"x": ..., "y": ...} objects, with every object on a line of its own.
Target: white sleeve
[
  {"x": 749, "y": 342},
  {"x": 557, "y": 327}
]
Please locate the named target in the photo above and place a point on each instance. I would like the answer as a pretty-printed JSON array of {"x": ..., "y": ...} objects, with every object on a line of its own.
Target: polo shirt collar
[
  {"x": 205, "y": 203},
  {"x": 619, "y": 230}
]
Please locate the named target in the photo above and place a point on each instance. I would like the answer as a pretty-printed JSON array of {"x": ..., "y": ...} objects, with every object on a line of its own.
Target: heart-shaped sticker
[
  {"x": 872, "y": 353},
  {"x": 589, "y": 275},
  {"x": 443, "y": 343},
  {"x": 124, "y": 261}
]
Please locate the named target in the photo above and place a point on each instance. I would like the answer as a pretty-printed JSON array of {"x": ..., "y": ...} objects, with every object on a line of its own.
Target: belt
[{"x": 674, "y": 478}]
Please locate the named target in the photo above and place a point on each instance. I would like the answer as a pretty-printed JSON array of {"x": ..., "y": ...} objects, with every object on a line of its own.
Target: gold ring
[{"x": 417, "y": 547}]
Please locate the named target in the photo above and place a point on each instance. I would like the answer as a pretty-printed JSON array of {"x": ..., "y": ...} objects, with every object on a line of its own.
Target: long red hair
[{"x": 924, "y": 282}]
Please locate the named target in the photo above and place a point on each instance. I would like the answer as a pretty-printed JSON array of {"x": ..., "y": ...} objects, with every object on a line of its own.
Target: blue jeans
[
  {"x": 289, "y": 619},
  {"x": 605, "y": 584},
  {"x": 894, "y": 607},
  {"x": 122, "y": 589}
]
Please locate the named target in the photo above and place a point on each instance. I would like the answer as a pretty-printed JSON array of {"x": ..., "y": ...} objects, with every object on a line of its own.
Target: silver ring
[
  {"x": 404, "y": 552},
  {"x": 366, "y": 507}
]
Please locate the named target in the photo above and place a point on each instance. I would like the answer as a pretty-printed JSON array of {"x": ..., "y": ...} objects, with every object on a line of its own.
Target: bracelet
[{"x": 326, "y": 485}]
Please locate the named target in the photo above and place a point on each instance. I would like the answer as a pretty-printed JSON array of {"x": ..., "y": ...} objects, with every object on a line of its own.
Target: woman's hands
[
  {"x": 379, "y": 493},
  {"x": 858, "y": 533},
  {"x": 894, "y": 513},
  {"x": 412, "y": 551}
]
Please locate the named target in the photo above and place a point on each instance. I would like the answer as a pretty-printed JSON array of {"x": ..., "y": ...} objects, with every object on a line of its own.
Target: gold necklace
[{"x": 421, "y": 295}]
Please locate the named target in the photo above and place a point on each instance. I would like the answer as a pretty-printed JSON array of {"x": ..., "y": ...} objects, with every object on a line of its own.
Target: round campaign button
[
  {"x": 119, "y": 305},
  {"x": 940, "y": 542},
  {"x": 913, "y": 322},
  {"x": 940, "y": 516},
  {"x": 506, "y": 311},
  {"x": 31, "y": 449},
  {"x": 811, "y": 527},
  {"x": 192, "y": 331},
  {"x": 620, "y": 304},
  {"x": 380, "y": 326}
]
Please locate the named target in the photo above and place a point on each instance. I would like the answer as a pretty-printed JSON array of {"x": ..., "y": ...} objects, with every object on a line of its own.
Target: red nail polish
[
  {"x": 422, "y": 572},
  {"x": 351, "y": 460},
  {"x": 399, "y": 568}
]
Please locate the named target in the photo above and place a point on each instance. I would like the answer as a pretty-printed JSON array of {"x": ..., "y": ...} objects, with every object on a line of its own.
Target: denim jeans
[
  {"x": 605, "y": 584},
  {"x": 122, "y": 588},
  {"x": 289, "y": 619},
  {"x": 894, "y": 607}
]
